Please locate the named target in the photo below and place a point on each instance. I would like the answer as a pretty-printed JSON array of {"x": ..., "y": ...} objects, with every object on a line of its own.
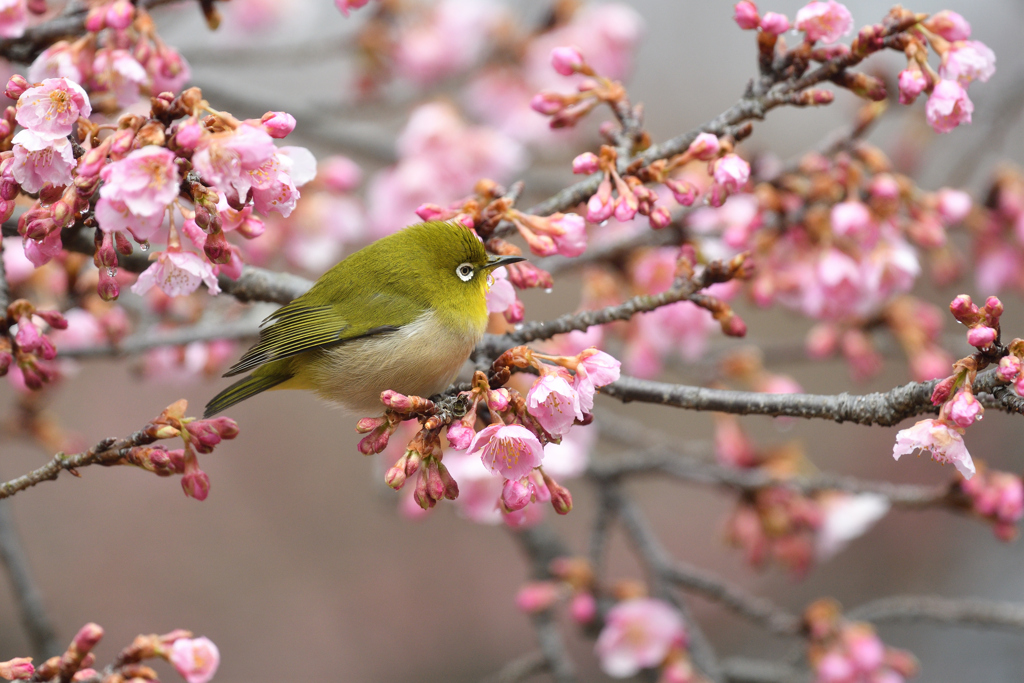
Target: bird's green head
[{"x": 450, "y": 263}]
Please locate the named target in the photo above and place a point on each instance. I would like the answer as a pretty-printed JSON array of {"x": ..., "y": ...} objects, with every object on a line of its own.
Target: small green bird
[{"x": 403, "y": 313}]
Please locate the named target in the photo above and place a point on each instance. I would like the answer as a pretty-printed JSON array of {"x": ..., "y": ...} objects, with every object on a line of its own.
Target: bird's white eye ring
[{"x": 465, "y": 272}]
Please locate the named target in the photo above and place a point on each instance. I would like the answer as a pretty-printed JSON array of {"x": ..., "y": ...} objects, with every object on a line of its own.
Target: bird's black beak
[{"x": 498, "y": 261}]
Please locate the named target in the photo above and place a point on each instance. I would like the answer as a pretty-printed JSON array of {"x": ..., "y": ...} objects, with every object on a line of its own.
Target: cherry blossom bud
[
  {"x": 374, "y": 442},
  {"x": 548, "y": 103},
  {"x": 599, "y": 209},
  {"x": 120, "y": 14},
  {"x": 460, "y": 435},
  {"x": 943, "y": 390},
  {"x": 965, "y": 409},
  {"x": 96, "y": 19},
  {"x": 705, "y": 147},
  {"x": 586, "y": 163},
  {"x": 108, "y": 287},
  {"x": 217, "y": 248},
  {"x": 1009, "y": 368},
  {"x": 567, "y": 60},
  {"x": 17, "y": 669},
  {"x": 625, "y": 208},
  {"x": 684, "y": 192},
  {"x": 949, "y": 25},
  {"x": 514, "y": 495},
  {"x": 16, "y": 86},
  {"x": 964, "y": 310},
  {"x": 451, "y": 487},
  {"x": 561, "y": 499},
  {"x": 86, "y": 639},
  {"x": 395, "y": 476},
  {"x": 583, "y": 608},
  {"x": 278, "y": 124},
  {"x": 430, "y": 212},
  {"x": 774, "y": 23},
  {"x": 981, "y": 336},
  {"x": 188, "y": 134},
  {"x": 537, "y": 596},
  {"x": 731, "y": 172},
  {"x": 745, "y": 15},
  {"x": 497, "y": 400},
  {"x": 660, "y": 218},
  {"x": 912, "y": 82},
  {"x": 993, "y": 310},
  {"x": 368, "y": 424}
]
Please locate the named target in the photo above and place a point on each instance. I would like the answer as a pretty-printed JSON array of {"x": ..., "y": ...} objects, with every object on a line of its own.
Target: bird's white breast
[{"x": 419, "y": 359}]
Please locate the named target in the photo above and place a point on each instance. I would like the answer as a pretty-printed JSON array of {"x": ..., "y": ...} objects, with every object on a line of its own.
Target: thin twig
[
  {"x": 746, "y": 670},
  {"x": 951, "y": 611},
  {"x": 105, "y": 452},
  {"x": 520, "y": 668},
  {"x": 41, "y": 635}
]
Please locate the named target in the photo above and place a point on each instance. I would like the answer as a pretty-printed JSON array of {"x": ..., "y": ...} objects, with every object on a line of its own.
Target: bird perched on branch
[{"x": 403, "y": 313}]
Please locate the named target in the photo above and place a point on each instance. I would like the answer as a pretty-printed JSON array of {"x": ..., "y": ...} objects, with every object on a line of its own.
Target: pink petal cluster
[
  {"x": 117, "y": 72},
  {"x": 227, "y": 160},
  {"x": 51, "y": 109},
  {"x": 911, "y": 82},
  {"x": 512, "y": 451},
  {"x": 40, "y": 161},
  {"x": 145, "y": 181},
  {"x": 554, "y": 403},
  {"x": 595, "y": 370},
  {"x": 945, "y": 443},
  {"x": 731, "y": 172},
  {"x": 825, "y": 21},
  {"x": 13, "y": 18},
  {"x": 177, "y": 273},
  {"x": 949, "y": 24},
  {"x": 968, "y": 61},
  {"x": 999, "y": 497},
  {"x": 17, "y": 669},
  {"x": 501, "y": 294},
  {"x": 846, "y": 517},
  {"x": 948, "y": 106},
  {"x": 638, "y": 634},
  {"x": 196, "y": 659}
]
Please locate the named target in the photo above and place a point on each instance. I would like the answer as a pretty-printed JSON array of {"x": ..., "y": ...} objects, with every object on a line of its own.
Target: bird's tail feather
[{"x": 241, "y": 390}]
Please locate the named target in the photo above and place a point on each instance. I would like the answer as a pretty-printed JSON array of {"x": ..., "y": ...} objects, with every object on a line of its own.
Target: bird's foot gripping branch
[{"x": 511, "y": 445}]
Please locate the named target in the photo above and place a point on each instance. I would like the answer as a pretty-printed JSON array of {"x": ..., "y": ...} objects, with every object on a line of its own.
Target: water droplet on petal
[
  {"x": 547, "y": 290},
  {"x": 111, "y": 272},
  {"x": 144, "y": 246}
]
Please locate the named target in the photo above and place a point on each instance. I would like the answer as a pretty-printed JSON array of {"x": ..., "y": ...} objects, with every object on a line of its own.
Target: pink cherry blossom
[
  {"x": 170, "y": 71},
  {"x": 638, "y": 634},
  {"x": 943, "y": 441},
  {"x": 225, "y": 160},
  {"x": 42, "y": 251},
  {"x": 954, "y": 205},
  {"x": 949, "y": 25},
  {"x": 745, "y": 15},
  {"x": 731, "y": 172},
  {"x": 501, "y": 294},
  {"x": 853, "y": 219},
  {"x": 341, "y": 174},
  {"x": 968, "y": 61},
  {"x": 774, "y": 23},
  {"x": 554, "y": 403},
  {"x": 424, "y": 52},
  {"x": 145, "y": 181},
  {"x": 51, "y": 109},
  {"x": 177, "y": 273},
  {"x": 948, "y": 106},
  {"x": 824, "y": 21},
  {"x": 596, "y": 369},
  {"x": 196, "y": 659},
  {"x": 460, "y": 435},
  {"x": 56, "y": 61},
  {"x": 40, "y": 161},
  {"x": 912, "y": 82},
  {"x": 116, "y": 71},
  {"x": 479, "y": 488},
  {"x": 275, "y": 183},
  {"x": 114, "y": 216},
  {"x": 847, "y": 516},
  {"x": 509, "y": 450},
  {"x": 13, "y": 18},
  {"x": 571, "y": 236},
  {"x": 346, "y": 6}
]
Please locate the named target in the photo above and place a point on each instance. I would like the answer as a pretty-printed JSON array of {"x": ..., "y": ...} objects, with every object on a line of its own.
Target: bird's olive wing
[{"x": 300, "y": 326}]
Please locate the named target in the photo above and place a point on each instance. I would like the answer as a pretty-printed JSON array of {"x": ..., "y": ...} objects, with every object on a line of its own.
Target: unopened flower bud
[
  {"x": 395, "y": 476},
  {"x": 196, "y": 484},
  {"x": 583, "y": 608},
  {"x": 460, "y": 435},
  {"x": 374, "y": 442},
  {"x": 943, "y": 390},
  {"x": 745, "y": 15},
  {"x": 421, "y": 495},
  {"x": 1009, "y": 368},
  {"x": 586, "y": 163},
  {"x": 122, "y": 141},
  {"x": 774, "y": 23},
  {"x": 188, "y": 134},
  {"x": 548, "y": 103},
  {"x": 981, "y": 336},
  {"x": 17, "y": 669},
  {"x": 430, "y": 212},
  {"x": 514, "y": 495},
  {"x": 108, "y": 288},
  {"x": 278, "y": 124},
  {"x": 993, "y": 308},
  {"x": 96, "y": 19},
  {"x": 964, "y": 310},
  {"x": 16, "y": 85},
  {"x": 120, "y": 14},
  {"x": 537, "y": 596},
  {"x": 567, "y": 60},
  {"x": 368, "y": 424},
  {"x": 497, "y": 400},
  {"x": 705, "y": 147},
  {"x": 217, "y": 248},
  {"x": 561, "y": 499},
  {"x": 150, "y": 134},
  {"x": 660, "y": 218}
]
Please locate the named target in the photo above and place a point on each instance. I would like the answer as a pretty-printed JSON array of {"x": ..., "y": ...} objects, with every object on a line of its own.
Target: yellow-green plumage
[{"x": 394, "y": 315}]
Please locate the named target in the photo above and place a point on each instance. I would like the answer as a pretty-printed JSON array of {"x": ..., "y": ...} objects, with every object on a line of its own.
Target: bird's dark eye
[{"x": 465, "y": 272}]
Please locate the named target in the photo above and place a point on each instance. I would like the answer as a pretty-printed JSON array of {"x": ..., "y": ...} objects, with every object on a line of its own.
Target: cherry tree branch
[
  {"x": 41, "y": 635},
  {"x": 954, "y": 612},
  {"x": 520, "y": 669},
  {"x": 106, "y": 452},
  {"x": 68, "y": 24},
  {"x": 879, "y": 408}
]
